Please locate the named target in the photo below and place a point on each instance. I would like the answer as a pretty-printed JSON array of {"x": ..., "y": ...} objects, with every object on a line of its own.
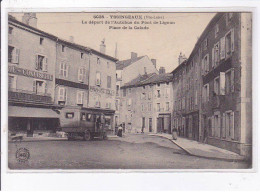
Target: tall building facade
[
  {"x": 127, "y": 70},
  {"x": 48, "y": 74},
  {"x": 147, "y": 103},
  {"x": 220, "y": 67}
]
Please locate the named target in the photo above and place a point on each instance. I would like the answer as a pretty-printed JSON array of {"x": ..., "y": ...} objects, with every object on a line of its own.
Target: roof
[
  {"x": 148, "y": 79},
  {"x": 55, "y": 38},
  {"x": 120, "y": 65}
]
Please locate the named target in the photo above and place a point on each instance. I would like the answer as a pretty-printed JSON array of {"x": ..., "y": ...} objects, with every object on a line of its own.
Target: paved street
[{"x": 137, "y": 151}]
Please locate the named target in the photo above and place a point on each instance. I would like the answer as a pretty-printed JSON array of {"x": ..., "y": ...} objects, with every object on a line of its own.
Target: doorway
[{"x": 150, "y": 124}]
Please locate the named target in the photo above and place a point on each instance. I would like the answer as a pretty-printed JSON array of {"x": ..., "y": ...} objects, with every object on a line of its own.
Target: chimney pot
[
  {"x": 133, "y": 55},
  {"x": 162, "y": 70}
]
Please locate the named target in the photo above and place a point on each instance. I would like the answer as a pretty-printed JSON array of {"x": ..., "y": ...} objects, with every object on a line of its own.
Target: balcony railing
[{"x": 29, "y": 96}]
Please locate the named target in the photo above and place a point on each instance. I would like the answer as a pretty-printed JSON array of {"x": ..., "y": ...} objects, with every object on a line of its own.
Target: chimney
[
  {"x": 181, "y": 58},
  {"x": 71, "y": 39},
  {"x": 103, "y": 47},
  {"x": 161, "y": 70},
  {"x": 30, "y": 19},
  {"x": 154, "y": 62},
  {"x": 133, "y": 55}
]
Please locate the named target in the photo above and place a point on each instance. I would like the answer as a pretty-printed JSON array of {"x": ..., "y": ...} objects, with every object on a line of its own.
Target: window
[
  {"x": 41, "y": 40},
  {"x": 98, "y": 78},
  {"x": 108, "y": 65},
  {"x": 205, "y": 44},
  {"x": 117, "y": 108},
  {"x": 206, "y": 93},
  {"x": 143, "y": 96},
  {"x": 98, "y": 60},
  {"x": 81, "y": 55},
  {"x": 39, "y": 87},
  {"x": 62, "y": 95},
  {"x": 64, "y": 69},
  {"x": 230, "y": 124},
  {"x": 149, "y": 95},
  {"x": 41, "y": 63},
  {"x": 158, "y": 93},
  {"x": 108, "y": 81},
  {"x": 81, "y": 73},
  {"x": 62, "y": 48},
  {"x": 216, "y": 124},
  {"x": 215, "y": 55},
  {"x": 80, "y": 97},
  {"x": 167, "y": 106},
  {"x": 228, "y": 44},
  {"x": 10, "y": 30},
  {"x": 205, "y": 64},
  {"x": 229, "y": 81},
  {"x": 167, "y": 92},
  {"x": 13, "y": 55},
  {"x": 117, "y": 90},
  {"x": 216, "y": 30},
  {"x": 149, "y": 106},
  {"x": 97, "y": 101},
  {"x": 145, "y": 70},
  {"x": 158, "y": 107},
  {"x": 216, "y": 86},
  {"x": 69, "y": 115},
  {"x": 12, "y": 82},
  {"x": 142, "y": 107}
]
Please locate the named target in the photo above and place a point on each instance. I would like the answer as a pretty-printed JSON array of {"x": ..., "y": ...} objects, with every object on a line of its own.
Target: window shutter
[
  {"x": 34, "y": 85},
  {"x": 222, "y": 48},
  {"x": 232, "y": 40},
  {"x": 232, "y": 132},
  {"x": 232, "y": 80},
  {"x": 46, "y": 88},
  {"x": 208, "y": 63},
  {"x": 82, "y": 97},
  {"x": 67, "y": 70},
  {"x": 36, "y": 62},
  {"x": 224, "y": 125},
  {"x": 65, "y": 94},
  {"x": 45, "y": 65},
  {"x": 212, "y": 126},
  {"x": 212, "y": 57},
  {"x": 17, "y": 53},
  {"x": 222, "y": 83},
  {"x": 79, "y": 97}
]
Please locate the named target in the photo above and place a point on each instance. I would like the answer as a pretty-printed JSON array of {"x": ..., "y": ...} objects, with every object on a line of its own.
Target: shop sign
[{"x": 29, "y": 73}]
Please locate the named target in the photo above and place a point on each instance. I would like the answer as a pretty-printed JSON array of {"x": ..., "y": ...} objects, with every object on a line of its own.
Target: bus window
[
  {"x": 88, "y": 117},
  {"x": 83, "y": 116},
  {"x": 69, "y": 115}
]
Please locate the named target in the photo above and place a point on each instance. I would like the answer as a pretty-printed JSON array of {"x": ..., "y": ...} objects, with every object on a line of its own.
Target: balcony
[{"x": 15, "y": 95}]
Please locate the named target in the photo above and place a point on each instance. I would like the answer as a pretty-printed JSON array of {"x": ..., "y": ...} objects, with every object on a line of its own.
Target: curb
[
  {"x": 34, "y": 140},
  {"x": 200, "y": 156}
]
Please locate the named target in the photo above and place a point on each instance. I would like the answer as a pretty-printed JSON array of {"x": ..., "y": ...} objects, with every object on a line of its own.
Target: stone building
[
  {"x": 48, "y": 74},
  {"x": 147, "y": 103},
  {"x": 221, "y": 69},
  {"x": 31, "y": 77},
  {"x": 127, "y": 70}
]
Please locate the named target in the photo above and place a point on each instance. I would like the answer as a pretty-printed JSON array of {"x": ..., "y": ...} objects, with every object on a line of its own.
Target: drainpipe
[{"x": 88, "y": 77}]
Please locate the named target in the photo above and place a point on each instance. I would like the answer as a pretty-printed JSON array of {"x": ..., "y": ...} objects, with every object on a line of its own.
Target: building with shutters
[
  {"x": 147, "y": 103},
  {"x": 47, "y": 74},
  {"x": 31, "y": 77},
  {"x": 127, "y": 70},
  {"x": 221, "y": 64}
]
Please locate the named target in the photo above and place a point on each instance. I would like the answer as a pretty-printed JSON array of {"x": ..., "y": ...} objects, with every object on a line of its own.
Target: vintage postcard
[{"x": 129, "y": 90}]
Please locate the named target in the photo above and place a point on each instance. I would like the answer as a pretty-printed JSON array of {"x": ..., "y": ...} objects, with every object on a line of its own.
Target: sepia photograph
[{"x": 129, "y": 90}]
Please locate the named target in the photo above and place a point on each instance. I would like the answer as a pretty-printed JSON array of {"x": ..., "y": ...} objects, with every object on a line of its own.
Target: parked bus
[{"x": 83, "y": 122}]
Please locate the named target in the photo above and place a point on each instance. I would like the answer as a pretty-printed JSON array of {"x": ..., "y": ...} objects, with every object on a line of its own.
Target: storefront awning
[{"x": 31, "y": 112}]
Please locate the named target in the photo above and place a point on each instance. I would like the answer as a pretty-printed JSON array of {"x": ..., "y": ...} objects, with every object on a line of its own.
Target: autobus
[{"x": 84, "y": 122}]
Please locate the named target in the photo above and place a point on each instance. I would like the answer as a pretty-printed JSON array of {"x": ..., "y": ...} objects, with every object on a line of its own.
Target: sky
[{"x": 161, "y": 42}]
